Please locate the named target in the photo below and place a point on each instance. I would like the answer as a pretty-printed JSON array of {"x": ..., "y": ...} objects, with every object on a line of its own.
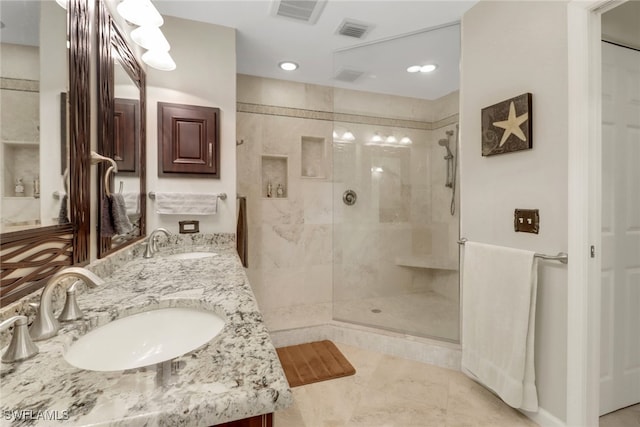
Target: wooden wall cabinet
[
  {"x": 265, "y": 420},
  {"x": 189, "y": 140},
  {"x": 126, "y": 134}
]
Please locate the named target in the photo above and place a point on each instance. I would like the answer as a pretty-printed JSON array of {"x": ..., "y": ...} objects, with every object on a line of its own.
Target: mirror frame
[
  {"x": 30, "y": 257},
  {"x": 110, "y": 40}
]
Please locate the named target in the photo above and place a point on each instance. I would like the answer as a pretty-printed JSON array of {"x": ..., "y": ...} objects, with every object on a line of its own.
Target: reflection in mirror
[
  {"x": 126, "y": 143},
  {"x": 34, "y": 81},
  {"x": 121, "y": 120},
  {"x": 44, "y": 62}
]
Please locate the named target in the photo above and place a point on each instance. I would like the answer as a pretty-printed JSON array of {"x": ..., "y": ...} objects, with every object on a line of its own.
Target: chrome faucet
[
  {"x": 152, "y": 245},
  {"x": 21, "y": 346},
  {"x": 45, "y": 325}
]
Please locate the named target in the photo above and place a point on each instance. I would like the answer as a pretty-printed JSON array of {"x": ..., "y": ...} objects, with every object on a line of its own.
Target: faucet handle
[
  {"x": 71, "y": 310},
  {"x": 21, "y": 347}
]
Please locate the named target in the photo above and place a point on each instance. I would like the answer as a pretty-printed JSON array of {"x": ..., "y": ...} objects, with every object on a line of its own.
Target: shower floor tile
[
  {"x": 426, "y": 314},
  {"x": 388, "y": 391}
]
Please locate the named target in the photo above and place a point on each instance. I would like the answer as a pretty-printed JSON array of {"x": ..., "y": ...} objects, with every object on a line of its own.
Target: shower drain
[{"x": 376, "y": 310}]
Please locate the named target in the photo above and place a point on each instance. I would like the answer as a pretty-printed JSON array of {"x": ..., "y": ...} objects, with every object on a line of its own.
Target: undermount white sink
[
  {"x": 144, "y": 339},
  {"x": 191, "y": 255}
]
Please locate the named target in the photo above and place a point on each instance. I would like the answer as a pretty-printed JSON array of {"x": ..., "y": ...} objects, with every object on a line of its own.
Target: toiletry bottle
[
  {"x": 280, "y": 190},
  {"x": 36, "y": 187},
  {"x": 19, "y": 188},
  {"x": 269, "y": 189}
]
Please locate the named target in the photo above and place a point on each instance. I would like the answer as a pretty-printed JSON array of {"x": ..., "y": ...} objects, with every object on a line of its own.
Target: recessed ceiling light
[
  {"x": 428, "y": 68},
  {"x": 422, "y": 68},
  {"x": 288, "y": 65}
]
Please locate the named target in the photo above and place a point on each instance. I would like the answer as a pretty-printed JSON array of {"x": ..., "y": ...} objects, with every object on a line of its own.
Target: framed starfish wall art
[{"x": 507, "y": 126}]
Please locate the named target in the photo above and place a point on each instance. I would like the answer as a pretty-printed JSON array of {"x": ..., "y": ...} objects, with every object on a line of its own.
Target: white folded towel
[
  {"x": 498, "y": 321},
  {"x": 132, "y": 202},
  {"x": 186, "y": 204}
]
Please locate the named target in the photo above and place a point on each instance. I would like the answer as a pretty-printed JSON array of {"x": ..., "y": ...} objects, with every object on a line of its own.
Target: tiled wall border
[
  {"x": 19, "y": 84},
  {"x": 300, "y": 113}
]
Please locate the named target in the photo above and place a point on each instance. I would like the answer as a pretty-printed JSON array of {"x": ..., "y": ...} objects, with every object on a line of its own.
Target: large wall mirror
[
  {"x": 44, "y": 181},
  {"x": 121, "y": 137}
]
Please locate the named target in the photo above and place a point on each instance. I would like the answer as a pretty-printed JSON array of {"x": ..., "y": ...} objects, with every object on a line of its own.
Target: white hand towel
[
  {"x": 498, "y": 321},
  {"x": 132, "y": 202},
  {"x": 186, "y": 204}
]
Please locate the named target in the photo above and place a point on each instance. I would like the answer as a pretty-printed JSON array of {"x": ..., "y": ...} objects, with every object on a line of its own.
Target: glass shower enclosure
[{"x": 395, "y": 222}]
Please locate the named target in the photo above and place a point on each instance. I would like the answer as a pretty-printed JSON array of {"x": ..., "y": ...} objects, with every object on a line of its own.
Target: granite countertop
[{"x": 236, "y": 375}]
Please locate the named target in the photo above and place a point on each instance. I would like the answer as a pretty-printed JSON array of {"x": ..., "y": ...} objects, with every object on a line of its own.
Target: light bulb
[
  {"x": 288, "y": 66},
  {"x": 150, "y": 38},
  {"x": 140, "y": 12},
  {"x": 159, "y": 59},
  {"x": 428, "y": 68}
]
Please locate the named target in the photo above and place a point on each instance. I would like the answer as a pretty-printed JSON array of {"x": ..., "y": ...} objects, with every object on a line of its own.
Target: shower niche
[
  {"x": 312, "y": 157},
  {"x": 275, "y": 183}
]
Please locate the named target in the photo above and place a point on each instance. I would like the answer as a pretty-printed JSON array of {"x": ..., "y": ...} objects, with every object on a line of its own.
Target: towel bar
[
  {"x": 563, "y": 257},
  {"x": 221, "y": 196}
]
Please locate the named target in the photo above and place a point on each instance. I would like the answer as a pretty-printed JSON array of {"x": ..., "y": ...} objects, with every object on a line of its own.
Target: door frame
[{"x": 584, "y": 230}]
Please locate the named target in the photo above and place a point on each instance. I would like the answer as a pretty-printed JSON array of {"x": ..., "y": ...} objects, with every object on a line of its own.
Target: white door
[{"x": 620, "y": 321}]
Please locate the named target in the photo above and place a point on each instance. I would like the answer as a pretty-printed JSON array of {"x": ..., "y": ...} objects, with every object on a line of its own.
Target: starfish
[{"x": 512, "y": 125}]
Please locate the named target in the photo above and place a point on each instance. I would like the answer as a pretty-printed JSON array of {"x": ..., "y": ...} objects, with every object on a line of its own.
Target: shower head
[{"x": 445, "y": 143}]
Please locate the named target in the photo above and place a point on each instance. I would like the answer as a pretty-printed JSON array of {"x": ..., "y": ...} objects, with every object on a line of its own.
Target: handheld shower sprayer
[
  {"x": 449, "y": 158},
  {"x": 451, "y": 165},
  {"x": 445, "y": 143}
]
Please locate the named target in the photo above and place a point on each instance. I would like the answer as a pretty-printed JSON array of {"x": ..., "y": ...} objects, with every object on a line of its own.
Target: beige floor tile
[
  {"x": 329, "y": 402},
  {"x": 388, "y": 391},
  {"x": 409, "y": 380},
  {"x": 627, "y": 417},
  {"x": 385, "y": 409}
]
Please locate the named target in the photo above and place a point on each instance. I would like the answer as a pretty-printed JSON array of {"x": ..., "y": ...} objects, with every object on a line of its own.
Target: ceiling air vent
[
  {"x": 300, "y": 10},
  {"x": 351, "y": 28},
  {"x": 349, "y": 76}
]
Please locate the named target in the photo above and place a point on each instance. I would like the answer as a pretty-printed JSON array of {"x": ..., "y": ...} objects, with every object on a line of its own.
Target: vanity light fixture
[
  {"x": 406, "y": 140},
  {"x": 413, "y": 69},
  {"x": 348, "y": 136},
  {"x": 391, "y": 139},
  {"x": 62, "y": 4},
  {"x": 140, "y": 12},
  {"x": 376, "y": 138},
  {"x": 288, "y": 65},
  {"x": 150, "y": 38},
  {"x": 159, "y": 59}
]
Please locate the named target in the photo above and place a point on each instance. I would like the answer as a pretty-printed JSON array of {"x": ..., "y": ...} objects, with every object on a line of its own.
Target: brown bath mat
[{"x": 313, "y": 362}]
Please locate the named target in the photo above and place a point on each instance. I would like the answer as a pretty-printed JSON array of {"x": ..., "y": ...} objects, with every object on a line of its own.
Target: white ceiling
[{"x": 263, "y": 40}]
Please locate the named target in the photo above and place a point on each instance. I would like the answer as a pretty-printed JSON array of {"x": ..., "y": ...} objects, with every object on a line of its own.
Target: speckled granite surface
[{"x": 236, "y": 375}]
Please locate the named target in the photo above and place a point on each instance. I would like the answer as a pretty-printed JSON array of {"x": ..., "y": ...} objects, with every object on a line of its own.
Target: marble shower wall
[
  {"x": 300, "y": 243},
  {"x": 289, "y": 237}
]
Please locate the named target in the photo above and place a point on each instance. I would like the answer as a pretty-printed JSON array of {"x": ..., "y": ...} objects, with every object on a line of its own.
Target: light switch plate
[{"x": 526, "y": 220}]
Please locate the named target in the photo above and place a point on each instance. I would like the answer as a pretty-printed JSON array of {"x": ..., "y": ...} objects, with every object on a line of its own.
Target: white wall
[
  {"x": 205, "y": 55},
  {"x": 509, "y": 48},
  {"x": 54, "y": 79}
]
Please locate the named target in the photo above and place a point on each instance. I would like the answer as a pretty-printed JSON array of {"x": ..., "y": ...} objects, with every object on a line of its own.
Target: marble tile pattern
[
  {"x": 236, "y": 375},
  {"x": 311, "y": 248},
  {"x": 389, "y": 391}
]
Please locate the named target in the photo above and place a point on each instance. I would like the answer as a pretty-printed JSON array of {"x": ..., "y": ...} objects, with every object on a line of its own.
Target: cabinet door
[
  {"x": 188, "y": 138},
  {"x": 265, "y": 420},
  {"x": 125, "y": 135}
]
